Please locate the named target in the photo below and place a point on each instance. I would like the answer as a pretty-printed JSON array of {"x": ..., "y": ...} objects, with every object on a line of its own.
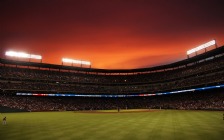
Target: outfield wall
[{"x": 4, "y": 109}]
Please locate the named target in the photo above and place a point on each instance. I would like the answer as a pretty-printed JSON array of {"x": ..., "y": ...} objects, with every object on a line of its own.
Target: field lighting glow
[
  {"x": 203, "y": 46},
  {"x": 67, "y": 60},
  {"x": 22, "y": 55}
]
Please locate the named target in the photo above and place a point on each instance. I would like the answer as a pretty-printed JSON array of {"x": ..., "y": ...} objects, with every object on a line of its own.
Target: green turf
[{"x": 164, "y": 125}]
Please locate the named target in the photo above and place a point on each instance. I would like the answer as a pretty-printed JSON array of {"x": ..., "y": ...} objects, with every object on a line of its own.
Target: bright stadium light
[
  {"x": 86, "y": 62},
  {"x": 35, "y": 56},
  {"x": 67, "y": 60},
  {"x": 203, "y": 46},
  {"x": 22, "y": 55}
]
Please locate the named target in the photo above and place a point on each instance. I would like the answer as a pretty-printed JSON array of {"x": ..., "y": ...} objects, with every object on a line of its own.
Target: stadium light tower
[
  {"x": 23, "y": 55},
  {"x": 203, "y": 46},
  {"x": 73, "y": 61}
]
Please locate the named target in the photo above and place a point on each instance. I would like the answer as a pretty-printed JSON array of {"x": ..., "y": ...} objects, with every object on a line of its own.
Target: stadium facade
[
  {"x": 203, "y": 71},
  {"x": 206, "y": 69}
]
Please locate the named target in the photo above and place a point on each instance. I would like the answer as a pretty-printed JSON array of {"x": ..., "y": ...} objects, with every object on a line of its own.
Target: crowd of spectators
[
  {"x": 34, "y": 80},
  {"x": 35, "y": 86},
  {"x": 82, "y": 77},
  {"x": 200, "y": 100}
]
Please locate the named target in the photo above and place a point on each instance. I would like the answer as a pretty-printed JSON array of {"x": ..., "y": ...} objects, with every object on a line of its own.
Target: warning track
[{"x": 116, "y": 111}]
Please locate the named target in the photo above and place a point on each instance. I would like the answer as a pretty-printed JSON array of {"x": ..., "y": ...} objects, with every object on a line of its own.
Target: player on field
[{"x": 4, "y": 121}]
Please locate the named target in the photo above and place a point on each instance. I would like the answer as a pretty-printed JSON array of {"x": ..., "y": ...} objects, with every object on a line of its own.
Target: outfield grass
[{"x": 155, "y": 125}]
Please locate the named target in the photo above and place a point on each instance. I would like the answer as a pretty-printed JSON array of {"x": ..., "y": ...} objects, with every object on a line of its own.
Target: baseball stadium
[{"x": 180, "y": 100}]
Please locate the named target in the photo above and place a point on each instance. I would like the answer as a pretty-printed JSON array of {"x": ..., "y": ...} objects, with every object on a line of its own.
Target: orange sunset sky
[{"x": 112, "y": 34}]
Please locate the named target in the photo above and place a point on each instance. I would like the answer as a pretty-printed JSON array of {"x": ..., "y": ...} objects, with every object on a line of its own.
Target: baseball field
[{"x": 114, "y": 125}]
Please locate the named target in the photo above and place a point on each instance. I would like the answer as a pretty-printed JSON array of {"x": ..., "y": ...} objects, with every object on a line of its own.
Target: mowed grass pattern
[{"x": 156, "y": 125}]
